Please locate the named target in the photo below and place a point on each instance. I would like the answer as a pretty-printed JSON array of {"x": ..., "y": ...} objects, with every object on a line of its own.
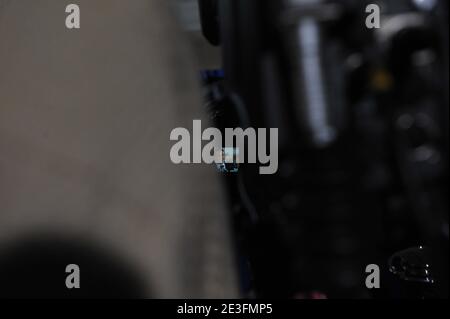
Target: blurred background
[
  {"x": 363, "y": 122},
  {"x": 86, "y": 178}
]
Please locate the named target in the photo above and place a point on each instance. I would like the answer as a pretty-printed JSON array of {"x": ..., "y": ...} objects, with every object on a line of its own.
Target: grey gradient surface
[{"x": 85, "y": 118}]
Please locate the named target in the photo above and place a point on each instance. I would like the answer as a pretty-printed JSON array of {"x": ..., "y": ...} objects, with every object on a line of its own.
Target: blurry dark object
[
  {"x": 210, "y": 20},
  {"x": 412, "y": 265},
  {"x": 363, "y": 125},
  {"x": 35, "y": 269},
  {"x": 413, "y": 271}
]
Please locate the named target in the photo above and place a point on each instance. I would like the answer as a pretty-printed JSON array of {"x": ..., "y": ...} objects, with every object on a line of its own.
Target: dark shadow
[{"x": 35, "y": 268}]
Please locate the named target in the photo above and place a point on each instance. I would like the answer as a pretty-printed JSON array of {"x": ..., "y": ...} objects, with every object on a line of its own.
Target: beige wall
[{"x": 85, "y": 117}]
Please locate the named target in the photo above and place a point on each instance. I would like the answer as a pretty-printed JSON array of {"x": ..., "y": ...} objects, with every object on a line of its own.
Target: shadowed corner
[{"x": 34, "y": 267}]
